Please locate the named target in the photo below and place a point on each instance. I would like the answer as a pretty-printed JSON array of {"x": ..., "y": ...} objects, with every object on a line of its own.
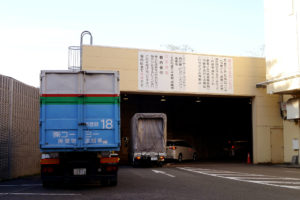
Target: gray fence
[{"x": 19, "y": 129}]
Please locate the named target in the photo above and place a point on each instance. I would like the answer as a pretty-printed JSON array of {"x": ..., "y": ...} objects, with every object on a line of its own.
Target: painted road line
[
  {"x": 280, "y": 182},
  {"x": 42, "y": 194},
  {"x": 217, "y": 172},
  {"x": 220, "y": 171},
  {"x": 237, "y": 175},
  {"x": 252, "y": 179},
  {"x": 292, "y": 172},
  {"x": 271, "y": 178},
  {"x": 276, "y": 185},
  {"x": 164, "y": 173}
]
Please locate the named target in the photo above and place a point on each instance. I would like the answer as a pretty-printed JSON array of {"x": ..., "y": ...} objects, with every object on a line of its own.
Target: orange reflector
[
  {"x": 111, "y": 168},
  {"x": 109, "y": 160},
  {"x": 49, "y": 161},
  {"x": 161, "y": 157},
  {"x": 50, "y": 169}
]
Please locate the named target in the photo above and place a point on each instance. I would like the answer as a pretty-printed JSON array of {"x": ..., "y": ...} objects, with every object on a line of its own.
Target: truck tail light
[
  {"x": 162, "y": 158},
  {"x": 232, "y": 147},
  {"x": 172, "y": 147},
  {"x": 49, "y": 161},
  {"x": 138, "y": 157},
  {"x": 106, "y": 160}
]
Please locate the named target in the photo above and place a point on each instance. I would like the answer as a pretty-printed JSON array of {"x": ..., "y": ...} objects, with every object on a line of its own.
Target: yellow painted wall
[
  {"x": 246, "y": 71},
  {"x": 124, "y": 60},
  {"x": 291, "y": 131}
]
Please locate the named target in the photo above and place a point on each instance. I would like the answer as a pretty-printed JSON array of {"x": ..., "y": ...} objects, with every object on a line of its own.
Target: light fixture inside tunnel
[
  {"x": 198, "y": 100},
  {"x": 163, "y": 99},
  {"x": 125, "y": 98}
]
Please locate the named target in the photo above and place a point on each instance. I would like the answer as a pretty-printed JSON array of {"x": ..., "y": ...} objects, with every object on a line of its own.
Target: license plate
[
  {"x": 79, "y": 171},
  {"x": 154, "y": 158}
]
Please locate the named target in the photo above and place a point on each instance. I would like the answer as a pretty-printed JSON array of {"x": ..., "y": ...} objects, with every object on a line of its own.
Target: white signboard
[
  {"x": 184, "y": 73},
  {"x": 295, "y": 144}
]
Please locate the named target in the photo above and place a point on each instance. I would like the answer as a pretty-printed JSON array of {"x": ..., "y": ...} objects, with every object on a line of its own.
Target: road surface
[{"x": 176, "y": 181}]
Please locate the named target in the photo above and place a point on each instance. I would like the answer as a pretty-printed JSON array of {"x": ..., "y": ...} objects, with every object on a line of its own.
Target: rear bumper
[
  {"x": 60, "y": 173},
  {"x": 78, "y": 179},
  {"x": 171, "y": 155},
  {"x": 148, "y": 160}
]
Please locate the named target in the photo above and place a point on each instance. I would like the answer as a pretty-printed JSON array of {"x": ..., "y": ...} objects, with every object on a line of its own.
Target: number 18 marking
[{"x": 107, "y": 124}]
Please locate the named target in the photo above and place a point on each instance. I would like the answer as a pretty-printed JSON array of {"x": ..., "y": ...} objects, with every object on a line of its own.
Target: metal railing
[
  {"x": 74, "y": 58},
  {"x": 75, "y": 53}
]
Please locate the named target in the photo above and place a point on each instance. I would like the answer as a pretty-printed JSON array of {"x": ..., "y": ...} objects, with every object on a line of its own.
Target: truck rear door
[{"x": 79, "y": 110}]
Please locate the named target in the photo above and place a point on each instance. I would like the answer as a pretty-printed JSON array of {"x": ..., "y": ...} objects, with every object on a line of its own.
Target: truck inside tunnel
[{"x": 220, "y": 128}]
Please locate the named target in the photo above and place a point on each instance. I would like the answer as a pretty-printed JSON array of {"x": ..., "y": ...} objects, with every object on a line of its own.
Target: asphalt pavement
[{"x": 173, "y": 181}]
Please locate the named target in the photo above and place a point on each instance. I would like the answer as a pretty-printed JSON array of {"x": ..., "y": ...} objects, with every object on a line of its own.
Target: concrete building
[
  {"x": 209, "y": 100},
  {"x": 282, "y": 36}
]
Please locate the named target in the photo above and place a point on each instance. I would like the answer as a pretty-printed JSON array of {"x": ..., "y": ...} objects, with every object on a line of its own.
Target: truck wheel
[
  {"x": 160, "y": 164},
  {"x": 114, "y": 182},
  {"x": 195, "y": 157},
  {"x": 111, "y": 181},
  {"x": 180, "y": 158},
  {"x": 47, "y": 184},
  {"x": 134, "y": 164}
]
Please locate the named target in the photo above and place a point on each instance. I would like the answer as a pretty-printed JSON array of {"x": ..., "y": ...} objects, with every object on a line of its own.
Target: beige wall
[
  {"x": 246, "y": 71},
  {"x": 291, "y": 131},
  {"x": 282, "y": 37},
  {"x": 124, "y": 60},
  {"x": 266, "y": 115}
]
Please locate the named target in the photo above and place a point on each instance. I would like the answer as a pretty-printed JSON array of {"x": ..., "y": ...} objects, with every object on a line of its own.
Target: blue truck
[{"x": 79, "y": 126}]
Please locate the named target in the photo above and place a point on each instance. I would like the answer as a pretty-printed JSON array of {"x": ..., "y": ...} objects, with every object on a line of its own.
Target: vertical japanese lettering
[{"x": 160, "y": 71}]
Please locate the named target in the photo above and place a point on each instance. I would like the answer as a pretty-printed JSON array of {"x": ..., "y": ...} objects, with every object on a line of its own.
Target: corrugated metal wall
[{"x": 19, "y": 129}]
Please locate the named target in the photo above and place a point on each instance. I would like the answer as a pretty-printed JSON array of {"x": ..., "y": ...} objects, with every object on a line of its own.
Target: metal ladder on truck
[{"x": 75, "y": 53}]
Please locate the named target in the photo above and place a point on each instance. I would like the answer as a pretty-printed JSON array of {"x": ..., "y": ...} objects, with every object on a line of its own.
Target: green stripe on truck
[{"x": 79, "y": 100}]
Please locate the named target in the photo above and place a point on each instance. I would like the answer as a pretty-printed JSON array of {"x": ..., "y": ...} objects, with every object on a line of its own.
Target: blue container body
[
  {"x": 79, "y": 111},
  {"x": 80, "y": 126}
]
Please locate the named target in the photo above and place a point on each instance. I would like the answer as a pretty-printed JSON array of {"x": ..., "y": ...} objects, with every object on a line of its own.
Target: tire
[
  {"x": 111, "y": 181},
  {"x": 135, "y": 164},
  {"x": 195, "y": 157},
  {"x": 160, "y": 164},
  {"x": 47, "y": 184},
  {"x": 180, "y": 158}
]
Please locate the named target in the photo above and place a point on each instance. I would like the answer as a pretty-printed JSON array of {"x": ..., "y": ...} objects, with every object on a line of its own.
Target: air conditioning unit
[{"x": 293, "y": 108}]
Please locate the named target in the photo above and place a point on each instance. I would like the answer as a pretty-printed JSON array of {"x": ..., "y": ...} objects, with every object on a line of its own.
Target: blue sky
[{"x": 35, "y": 34}]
